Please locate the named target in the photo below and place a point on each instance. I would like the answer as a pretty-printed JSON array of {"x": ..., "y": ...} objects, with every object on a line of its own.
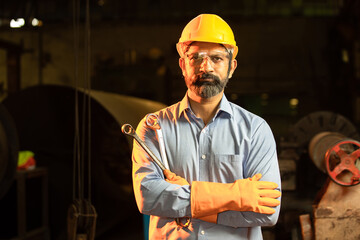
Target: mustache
[{"x": 198, "y": 81}]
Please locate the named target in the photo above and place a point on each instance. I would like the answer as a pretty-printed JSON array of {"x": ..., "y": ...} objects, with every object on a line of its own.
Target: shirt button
[
  {"x": 203, "y": 156},
  {"x": 202, "y": 232}
]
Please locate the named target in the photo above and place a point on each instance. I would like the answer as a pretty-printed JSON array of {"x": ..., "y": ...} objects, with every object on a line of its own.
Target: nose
[{"x": 206, "y": 65}]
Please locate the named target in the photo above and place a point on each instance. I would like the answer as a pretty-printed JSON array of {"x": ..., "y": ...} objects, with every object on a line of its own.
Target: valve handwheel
[{"x": 343, "y": 163}]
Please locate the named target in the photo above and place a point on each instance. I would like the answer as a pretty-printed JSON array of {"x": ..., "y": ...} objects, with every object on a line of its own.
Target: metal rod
[
  {"x": 153, "y": 122},
  {"x": 130, "y": 131}
]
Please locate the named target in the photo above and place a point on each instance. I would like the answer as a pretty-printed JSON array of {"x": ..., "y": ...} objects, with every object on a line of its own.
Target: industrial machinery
[
  {"x": 336, "y": 213},
  {"x": 320, "y": 166},
  {"x": 323, "y": 189},
  {"x": 44, "y": 119}
]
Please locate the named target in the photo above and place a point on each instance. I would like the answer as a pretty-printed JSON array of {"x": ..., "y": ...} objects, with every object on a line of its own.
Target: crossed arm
[{"x": 175, "y": 197}]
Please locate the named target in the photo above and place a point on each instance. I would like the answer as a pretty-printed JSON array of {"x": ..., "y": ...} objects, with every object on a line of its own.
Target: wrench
[
  {"x": 152, "y": 121},
  {"x": 130, "y": 131}
]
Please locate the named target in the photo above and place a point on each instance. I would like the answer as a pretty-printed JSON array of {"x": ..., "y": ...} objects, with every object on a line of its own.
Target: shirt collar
[
  {"x": 184, "y": 104},
  {"x": 224, "y": 105}
]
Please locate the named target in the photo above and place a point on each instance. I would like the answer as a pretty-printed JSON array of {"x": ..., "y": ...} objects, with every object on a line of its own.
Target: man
[{"x": 224, "y": 181}]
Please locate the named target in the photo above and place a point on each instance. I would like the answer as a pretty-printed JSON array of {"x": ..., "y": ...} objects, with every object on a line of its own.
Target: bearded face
[
  {"x": 207, "y": 68},
  {"x": 207, "y": 85}
]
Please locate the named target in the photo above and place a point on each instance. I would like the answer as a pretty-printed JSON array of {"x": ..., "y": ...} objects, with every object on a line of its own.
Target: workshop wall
[
  {"x": 295, "y": 58},
  {"x": 279, "y": 59},
  {"x": 274, "y": 54}
]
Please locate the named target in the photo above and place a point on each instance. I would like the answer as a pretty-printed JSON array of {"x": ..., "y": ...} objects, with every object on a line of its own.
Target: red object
[
  {"x": 29, "y": 164},
  {"x": 338, "y": 163}
]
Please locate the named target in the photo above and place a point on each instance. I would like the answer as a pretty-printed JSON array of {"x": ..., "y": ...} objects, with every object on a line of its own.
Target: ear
[
  {"x": 182, "y": 64},
  {"x": 233, "y": 67}
]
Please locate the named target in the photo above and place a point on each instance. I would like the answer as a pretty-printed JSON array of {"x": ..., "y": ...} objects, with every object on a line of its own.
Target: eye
[
  {"x": 217, "y": 59},
  {"x": 192, "y": 56},
  {"x": 196, "y": 57}
]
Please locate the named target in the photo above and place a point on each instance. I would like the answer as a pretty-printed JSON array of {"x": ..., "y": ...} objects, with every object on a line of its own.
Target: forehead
[{"x": 206, "y": 46}]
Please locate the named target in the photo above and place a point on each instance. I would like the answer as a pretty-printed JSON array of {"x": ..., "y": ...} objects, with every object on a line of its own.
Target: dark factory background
[{"x": 298, "y": 68}]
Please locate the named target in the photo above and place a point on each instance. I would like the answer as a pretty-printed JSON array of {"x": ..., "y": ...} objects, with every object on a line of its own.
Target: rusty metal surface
[
  {"x": 306, "y": 227},
  {"x": 337, "y": 215},
  {"x": 334, "y": 229}
]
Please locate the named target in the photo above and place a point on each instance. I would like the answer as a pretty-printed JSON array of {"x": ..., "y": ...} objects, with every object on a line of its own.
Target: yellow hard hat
[{"x": 207, "y": 28}]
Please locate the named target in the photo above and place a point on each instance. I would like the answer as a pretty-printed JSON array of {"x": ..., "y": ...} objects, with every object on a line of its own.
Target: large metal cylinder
[
  {"x": 45, "y": 119},
  {"x": 337, "y": 156},
  {"x": 319, "y": 145}
]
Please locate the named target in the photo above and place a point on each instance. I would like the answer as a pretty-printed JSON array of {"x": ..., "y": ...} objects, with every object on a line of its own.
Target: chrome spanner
[
  {"x": 153, "y": 122},
  {"x": 130, "y": 131}
]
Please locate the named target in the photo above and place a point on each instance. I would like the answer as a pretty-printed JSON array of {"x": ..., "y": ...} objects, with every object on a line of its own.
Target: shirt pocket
[{"x": 228, "y": 167}]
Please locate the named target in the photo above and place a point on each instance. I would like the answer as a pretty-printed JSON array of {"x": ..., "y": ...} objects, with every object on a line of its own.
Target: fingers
[
  {"x": 178, "y": 180},
  {"x": 256, "y": 177},
  {"x": 265, "y": 210},
  {"x": 263, "y": 184},
  {"x": 168, "y": 174},
  {"x": 266, "y": 185},
  {"x": 174, "y": 179},
  {"x": 269, "y": 193},
  {"x": 269, "y": 202}
]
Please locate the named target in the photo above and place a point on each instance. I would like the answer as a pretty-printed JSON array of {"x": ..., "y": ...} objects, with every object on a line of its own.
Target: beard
[{"x": 208, "y": 85}]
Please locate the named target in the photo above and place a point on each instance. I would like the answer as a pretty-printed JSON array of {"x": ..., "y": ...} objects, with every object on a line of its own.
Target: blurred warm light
[
  {"x": 264, "y": 96},
  {"x": 101, "y": 3},
  {"x": 294, "y": 102},
  {"x": 234, "y": 97},
  {"x": 264, "y": 99},
  {"x": 345, "y": 55},
  {"x": 36, "y": 22},
  {"x": 17, "y": 23}
]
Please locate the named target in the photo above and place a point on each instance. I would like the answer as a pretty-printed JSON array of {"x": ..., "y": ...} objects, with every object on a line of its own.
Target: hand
[
  {"x": 260, "y": 195},
  {"x": 209, "y": 198},
  {"x": 174, "y": 179}
]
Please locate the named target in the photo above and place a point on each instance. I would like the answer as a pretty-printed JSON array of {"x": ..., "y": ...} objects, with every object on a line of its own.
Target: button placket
[
  {"x": 204, "y": 153},
  {"x": 203, "y": 136}
]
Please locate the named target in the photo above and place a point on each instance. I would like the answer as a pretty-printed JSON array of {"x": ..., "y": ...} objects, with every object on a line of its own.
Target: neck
[{"x": 204, "y": 108}]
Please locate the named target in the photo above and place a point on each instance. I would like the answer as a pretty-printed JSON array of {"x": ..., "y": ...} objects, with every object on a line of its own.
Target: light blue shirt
[{"x": 235, "y": 144}]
